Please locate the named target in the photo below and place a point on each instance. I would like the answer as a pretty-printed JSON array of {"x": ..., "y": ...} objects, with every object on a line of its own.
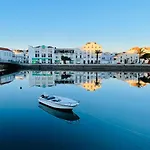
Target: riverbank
[{"x": 89, "y": 67}]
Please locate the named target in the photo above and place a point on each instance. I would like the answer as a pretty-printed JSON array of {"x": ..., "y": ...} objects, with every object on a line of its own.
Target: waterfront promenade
[{"x": 88, "y": 67}]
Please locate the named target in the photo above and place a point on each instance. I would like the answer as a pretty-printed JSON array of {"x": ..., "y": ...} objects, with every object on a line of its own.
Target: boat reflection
[{"x": 65, "y": 115}]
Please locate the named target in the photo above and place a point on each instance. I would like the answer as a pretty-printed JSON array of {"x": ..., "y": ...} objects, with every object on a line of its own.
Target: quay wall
[{"x": 89, "y": 67}]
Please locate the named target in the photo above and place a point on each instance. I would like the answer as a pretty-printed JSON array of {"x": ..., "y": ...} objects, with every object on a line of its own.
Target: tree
[
  {"x": 146, "y": 56},
  {"x": 145, "y": 79},
  {"x": 141, "y": 51},
  {"x": 97, "y": 53},
  {"x": 65, "y": 58},
  {"x": 97, "y": 83}
]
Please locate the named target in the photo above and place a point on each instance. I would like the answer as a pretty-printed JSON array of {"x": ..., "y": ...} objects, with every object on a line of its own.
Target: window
[
  {"x": 76, "y": 56},
  {"x": 84, "y": 62},
  {"x": 50, "y": 61},
  {"x": 50, "y": 98},
  {"x": 43, "y": 55},
  {"x": 49, "y": 55},
  {"x": 43, "y": 61},
  {"x": 80, "y": 56},
  {"x": 56, "y": 100}
]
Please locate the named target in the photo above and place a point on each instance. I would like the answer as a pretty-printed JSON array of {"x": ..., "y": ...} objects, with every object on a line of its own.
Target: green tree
[
  {"x": 146, "y": 56},
  {"x": 141, "y": 51},
  {"x": 65, "y": 58}
]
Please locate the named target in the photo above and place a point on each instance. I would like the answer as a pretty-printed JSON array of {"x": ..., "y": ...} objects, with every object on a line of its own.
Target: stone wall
[{"x": 101, "y": 67}]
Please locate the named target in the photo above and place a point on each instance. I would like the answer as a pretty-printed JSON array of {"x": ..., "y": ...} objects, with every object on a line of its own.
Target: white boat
[{"x": 58, "y": 102}]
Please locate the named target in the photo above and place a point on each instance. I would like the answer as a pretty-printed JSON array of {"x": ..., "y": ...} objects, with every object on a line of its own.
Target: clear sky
[{"x": 117, "y": 25}]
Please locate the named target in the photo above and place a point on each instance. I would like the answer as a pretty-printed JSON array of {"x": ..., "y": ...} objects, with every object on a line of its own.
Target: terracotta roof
[{"x": 5, "y": 49}]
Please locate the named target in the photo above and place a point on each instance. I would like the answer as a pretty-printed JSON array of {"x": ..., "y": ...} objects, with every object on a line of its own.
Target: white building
[
  {"x": 88, "y": 54},
  {"x": 126, "y": 58},
  {"x": 41, "y": 54},
  {"x": 64, "y": 56},
  {"x": 6, "y": 54},
  {"x": 107, "y": 58},
  {"x": 21, "y": 56}
]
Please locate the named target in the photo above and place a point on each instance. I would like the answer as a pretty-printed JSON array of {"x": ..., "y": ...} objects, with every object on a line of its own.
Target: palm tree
[
  {"x": 97, "y": 53},
  {"x": 97, "y": 83},
  {"x": 138, "y": 84},
  {"x": 141, "y": 51},
  {"x": 145, "y": 56}
]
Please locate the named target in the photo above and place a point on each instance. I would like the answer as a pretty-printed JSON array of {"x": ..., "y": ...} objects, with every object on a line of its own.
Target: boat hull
[{"x": 54, "y": 105}]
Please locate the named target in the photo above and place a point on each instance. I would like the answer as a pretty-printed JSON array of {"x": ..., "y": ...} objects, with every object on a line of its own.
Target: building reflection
[
  {"x": 134, "y": 79},
  {"x": 7, "y": 78},
  {"x": 21, "y": 75},
  {"x": 90, "y": 81}
]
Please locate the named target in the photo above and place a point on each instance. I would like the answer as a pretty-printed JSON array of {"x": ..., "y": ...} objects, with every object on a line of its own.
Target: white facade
[
  {"x": 6, "y": 54},
  {"x": 64, "y": 56},
  {"x": 107, "y": 58},
  {"x": 21, "y": 56},
  {"x": 86, "y": 57},
  {"x": 41, "y": 54},
  {"x": 91, "y": 53},
  {"x": 75, "y": 56},
  {"x": 126, "y": 58},
  {"x": 52, "y": 55}
]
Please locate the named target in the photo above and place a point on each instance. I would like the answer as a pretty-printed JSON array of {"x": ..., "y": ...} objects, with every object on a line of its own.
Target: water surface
[{"x": 114, "y": 111}]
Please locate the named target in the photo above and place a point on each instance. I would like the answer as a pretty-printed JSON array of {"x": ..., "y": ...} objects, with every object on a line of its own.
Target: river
[{"x": 113, "y": 114}]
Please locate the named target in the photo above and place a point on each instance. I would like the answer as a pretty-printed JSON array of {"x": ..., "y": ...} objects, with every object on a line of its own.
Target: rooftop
[{"x": 5, "y": 49}]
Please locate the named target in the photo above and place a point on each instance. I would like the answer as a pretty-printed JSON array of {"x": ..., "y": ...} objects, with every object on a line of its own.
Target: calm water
[{"x": 114, "y": 111}]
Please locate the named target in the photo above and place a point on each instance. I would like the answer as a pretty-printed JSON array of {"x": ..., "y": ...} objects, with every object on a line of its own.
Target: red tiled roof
[{"x": 5, "y": 49}]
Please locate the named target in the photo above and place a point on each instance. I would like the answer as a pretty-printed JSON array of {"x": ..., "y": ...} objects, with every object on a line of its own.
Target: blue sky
[{"x": 117, "y": 25}]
